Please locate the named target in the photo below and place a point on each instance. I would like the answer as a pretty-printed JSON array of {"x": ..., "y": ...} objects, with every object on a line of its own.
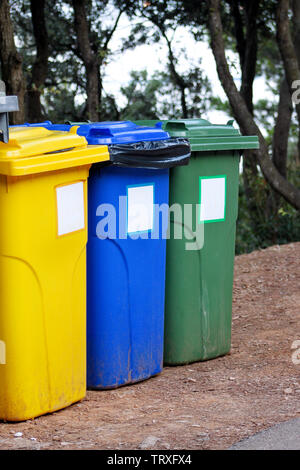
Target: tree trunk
[
  {"x": 238, "y": 30},
  {"x": 296, "y": 40},
  {"x": 40, "y": 66},
  {"x": 282, "y": 129},
  {"x": 286, "y": 47},
  {"x": 246, "y": 44},
  {"x": 178, "y": 80},
  {"x": 296, "y": 27},
  {"x": 241, "y": 112},
  {"x": 11, "y": 62},
  {"x": 289, "y": 52},
  {"x": 89, "y": 58},
  {"x": 250, "y": 57},
  {"x": 280, "y": 141},
  {"x": 248, "y": 75}
]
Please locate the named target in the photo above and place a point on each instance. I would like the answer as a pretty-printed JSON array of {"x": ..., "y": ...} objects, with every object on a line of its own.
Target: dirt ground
[{"x": 205, "y": 405}]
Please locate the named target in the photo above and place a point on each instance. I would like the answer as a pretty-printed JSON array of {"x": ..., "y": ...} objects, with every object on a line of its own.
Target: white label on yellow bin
[
  {"x": 140, "y": 208},
  {"x": 2, "y": 353},
  {"x": 70, "y": 208}
]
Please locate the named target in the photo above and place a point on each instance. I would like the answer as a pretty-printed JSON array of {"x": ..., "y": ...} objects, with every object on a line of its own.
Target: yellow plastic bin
[{"x": 43, "y": 235}]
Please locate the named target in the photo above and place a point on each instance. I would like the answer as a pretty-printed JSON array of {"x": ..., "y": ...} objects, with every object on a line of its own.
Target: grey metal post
[{"x": 7, "y": 105}]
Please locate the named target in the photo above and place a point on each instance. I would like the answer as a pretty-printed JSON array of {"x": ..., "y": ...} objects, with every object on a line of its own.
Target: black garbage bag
[{"x": 167, "y": 153}]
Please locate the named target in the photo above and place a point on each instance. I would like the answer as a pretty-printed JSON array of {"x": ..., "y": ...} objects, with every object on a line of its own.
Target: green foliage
[
  {"x": 220, "y": 104},
  {"x": 156, "y": 97},
  {"x": 141, "y": 95},
  {"x": 66, "y": 75},
  {"x": 276, "y": 228},
  {"x": 60, "y": 105}
]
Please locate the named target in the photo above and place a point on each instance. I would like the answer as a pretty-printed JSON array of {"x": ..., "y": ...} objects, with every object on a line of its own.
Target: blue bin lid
[
  {"x": 111, "y": 132},
  {"x": 120, "y": 132},
  {"x": 47, "y": 124}
]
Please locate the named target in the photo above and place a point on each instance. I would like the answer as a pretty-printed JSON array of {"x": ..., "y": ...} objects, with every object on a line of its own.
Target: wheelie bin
[
  {"x": 126, "y": 265},
  {"x": 43, "y": 213},
  {"x": 198, "y": 304}
]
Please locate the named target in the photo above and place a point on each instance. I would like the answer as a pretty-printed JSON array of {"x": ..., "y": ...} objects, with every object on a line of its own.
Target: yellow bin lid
[{"x": 32, "y": 150}]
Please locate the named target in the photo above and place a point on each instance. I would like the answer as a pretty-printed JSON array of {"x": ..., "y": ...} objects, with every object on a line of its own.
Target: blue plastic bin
[
  {"x": 126, "y": 270},
  {"x": 125, "y": 276},
  {"x": 125, "y": 286}
]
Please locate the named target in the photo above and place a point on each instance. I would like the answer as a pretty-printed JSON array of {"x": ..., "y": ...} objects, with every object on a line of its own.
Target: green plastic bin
[{"x": 198, "y": 305}]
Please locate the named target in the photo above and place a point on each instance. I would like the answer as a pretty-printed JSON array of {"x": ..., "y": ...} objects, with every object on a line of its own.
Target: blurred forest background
[{"x": 54, "y": 56}]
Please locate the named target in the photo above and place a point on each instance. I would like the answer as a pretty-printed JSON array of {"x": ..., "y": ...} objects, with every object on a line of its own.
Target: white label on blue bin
[
  {"x": 212, "y": 198},
  {"x": 140, "y": 208},
  {"x": 2, "y": 353},
  {"x": 70, "y": 208}
]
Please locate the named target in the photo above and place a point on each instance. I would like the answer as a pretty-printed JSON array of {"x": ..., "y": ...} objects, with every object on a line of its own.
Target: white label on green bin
[
  {"x": 2, "y": 353},
  {"x": 212, "y": 198},
  {"x": 70, "y": 208},
  {"x": 140, "y": 208}
]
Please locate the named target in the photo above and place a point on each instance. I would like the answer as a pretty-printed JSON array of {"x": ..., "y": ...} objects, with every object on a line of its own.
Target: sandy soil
[{"x": 205, "y": 405}]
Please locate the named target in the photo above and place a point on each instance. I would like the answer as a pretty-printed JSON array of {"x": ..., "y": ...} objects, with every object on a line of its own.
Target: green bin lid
[{"x": 204, "y": 136}]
